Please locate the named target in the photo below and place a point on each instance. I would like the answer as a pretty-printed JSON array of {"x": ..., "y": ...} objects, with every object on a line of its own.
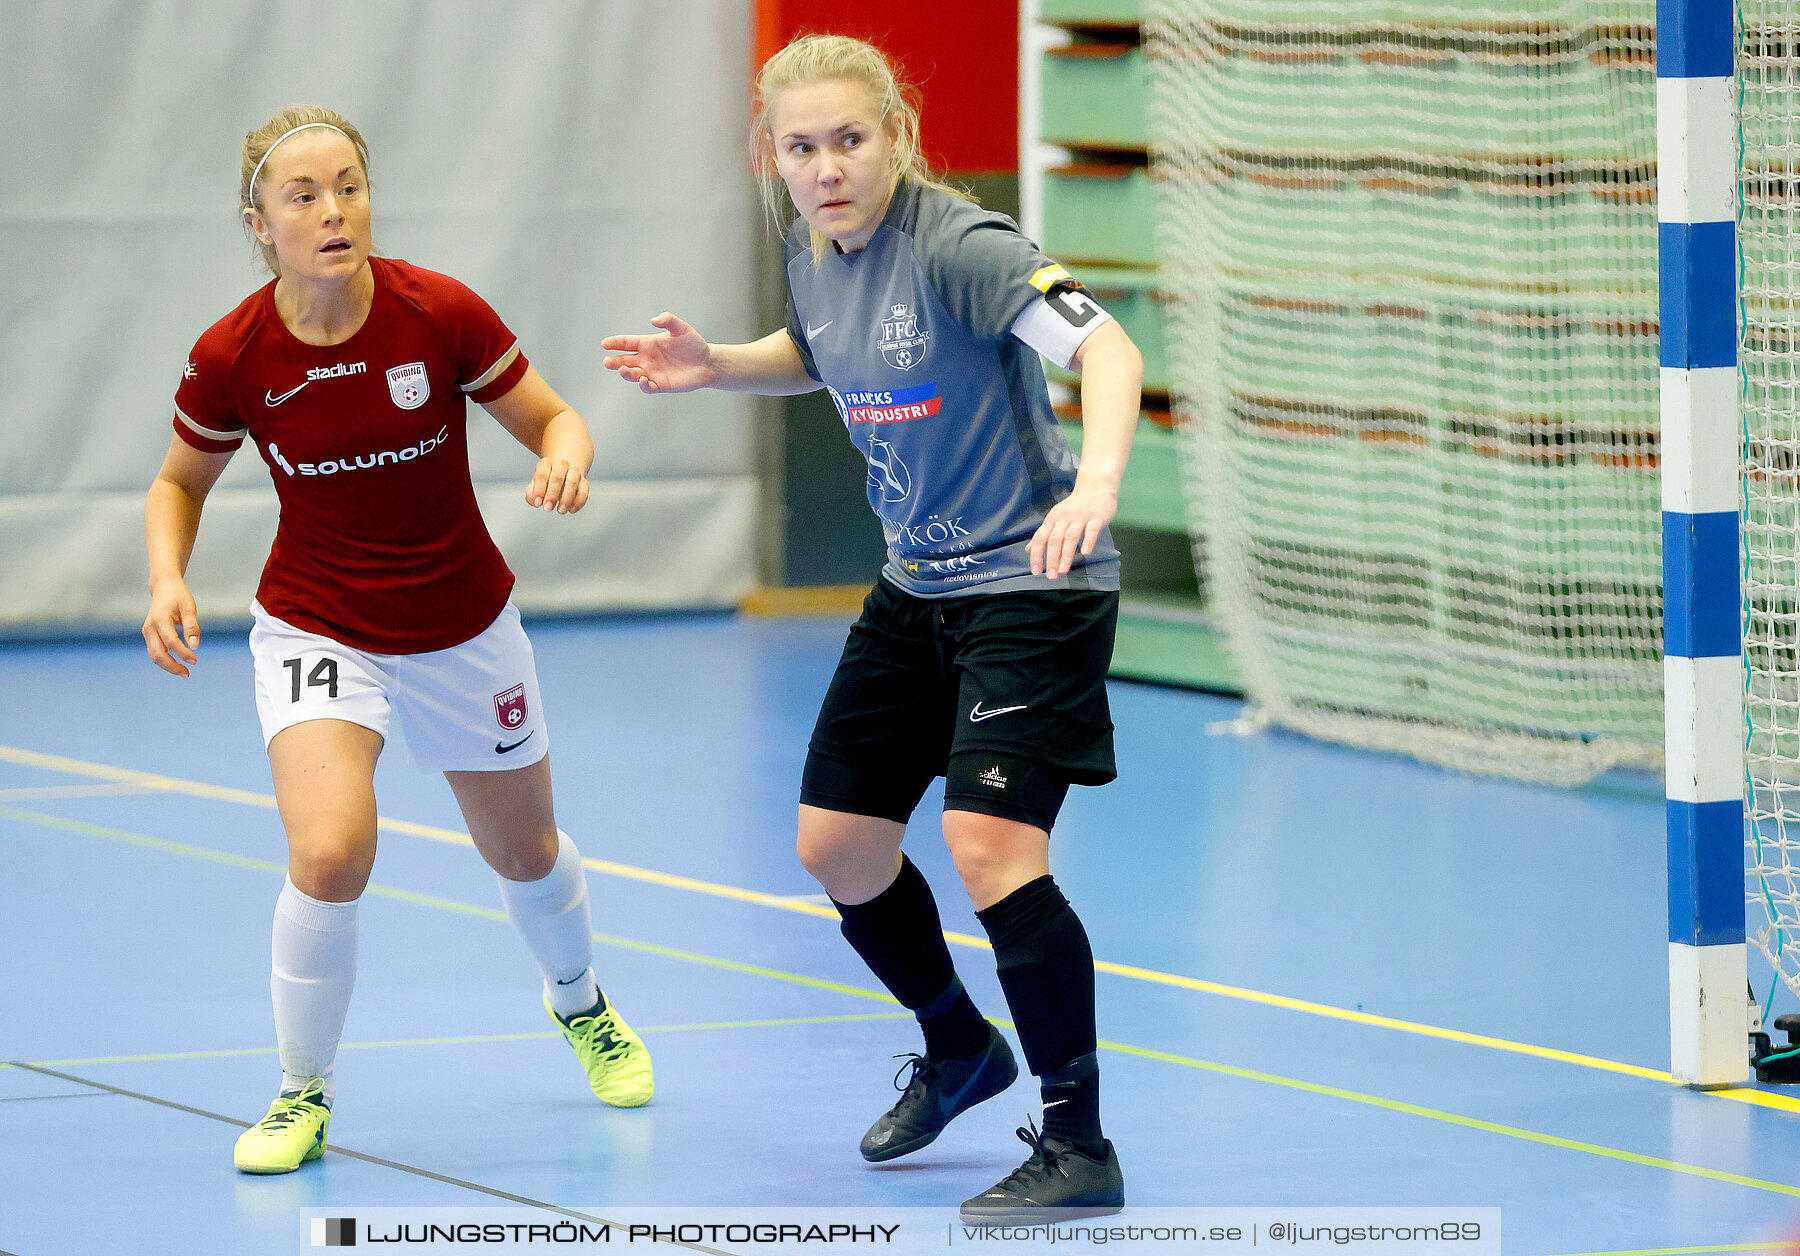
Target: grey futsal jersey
[{"x": 912, "y": 336}]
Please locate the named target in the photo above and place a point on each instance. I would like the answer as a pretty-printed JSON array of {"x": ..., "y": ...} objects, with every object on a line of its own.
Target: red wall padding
[{"x": 962, "y": 55}]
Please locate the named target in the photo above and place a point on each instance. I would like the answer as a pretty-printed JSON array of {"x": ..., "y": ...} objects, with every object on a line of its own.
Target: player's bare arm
[
  {"x": 1112, "y": 377},
  {"x": 171, "y": 521},
  {"x": 545, "y": 424},
  {"x": 679, "y": 359}
]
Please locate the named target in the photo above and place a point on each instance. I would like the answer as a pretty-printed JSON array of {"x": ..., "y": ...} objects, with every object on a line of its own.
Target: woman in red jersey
[{"x": 383, "y": 594}]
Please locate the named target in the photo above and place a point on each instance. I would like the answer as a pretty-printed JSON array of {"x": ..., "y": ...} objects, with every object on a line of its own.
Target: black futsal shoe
[
  {"x": 937, "y": 1091},
  {"x": 1056, "y": 1183}
]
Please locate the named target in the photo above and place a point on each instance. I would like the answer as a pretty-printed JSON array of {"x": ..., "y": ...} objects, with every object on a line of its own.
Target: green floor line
[
  {"x": 779, "y": 1021},
  {"x": 1332, "y": 1092},
  {"x": 146, "y": 1059},
  {"x": 465, "y": 1040}
]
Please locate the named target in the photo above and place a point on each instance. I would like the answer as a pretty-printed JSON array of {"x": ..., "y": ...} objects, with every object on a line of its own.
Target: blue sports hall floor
[{"x": 1327, "y": 978}]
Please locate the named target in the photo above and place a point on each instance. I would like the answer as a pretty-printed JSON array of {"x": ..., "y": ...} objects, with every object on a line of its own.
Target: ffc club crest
[
  {"x": 509, "y": 707},
  {"x": 902, "y": 343},
  {"x": 408, "y": 386}
]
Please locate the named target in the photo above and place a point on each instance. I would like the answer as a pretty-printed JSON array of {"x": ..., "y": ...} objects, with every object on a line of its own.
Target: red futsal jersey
[{"x": 380, "y": 545}]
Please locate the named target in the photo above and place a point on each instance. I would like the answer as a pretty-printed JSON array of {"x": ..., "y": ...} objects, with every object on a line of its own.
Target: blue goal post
[{"x": 1697, "y": 173}]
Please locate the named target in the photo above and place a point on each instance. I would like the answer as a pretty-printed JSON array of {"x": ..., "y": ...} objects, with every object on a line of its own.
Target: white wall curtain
[{"x": 579, "y": 163}]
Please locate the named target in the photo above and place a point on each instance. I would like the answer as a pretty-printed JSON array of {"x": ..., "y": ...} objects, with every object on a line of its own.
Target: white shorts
[{"x": 471, "y": 708}]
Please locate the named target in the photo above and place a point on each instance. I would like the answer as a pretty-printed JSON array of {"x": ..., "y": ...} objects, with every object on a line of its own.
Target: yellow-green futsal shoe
[
  {"x": 616, "y": 1060},
  {"x": 292, "y": 1133}
]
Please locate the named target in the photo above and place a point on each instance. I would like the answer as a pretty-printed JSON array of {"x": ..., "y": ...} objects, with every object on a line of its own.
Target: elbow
[
  {"x": 1113, "y": 353},
  {"x": 1131, "y": 361},
  {"x": 1124, "y": 362}
]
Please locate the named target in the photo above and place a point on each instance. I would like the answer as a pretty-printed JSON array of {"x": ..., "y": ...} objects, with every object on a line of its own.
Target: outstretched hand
[{"x": 678, "y": 359}]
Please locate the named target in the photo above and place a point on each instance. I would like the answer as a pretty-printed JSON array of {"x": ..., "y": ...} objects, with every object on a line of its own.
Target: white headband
[{"x": 250, "y": 195}]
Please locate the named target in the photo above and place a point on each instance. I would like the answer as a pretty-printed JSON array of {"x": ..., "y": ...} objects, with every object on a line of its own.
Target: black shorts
[{"x": 1003, "y": 694}]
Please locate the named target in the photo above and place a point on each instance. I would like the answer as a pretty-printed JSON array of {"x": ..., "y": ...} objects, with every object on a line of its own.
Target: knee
[
  {"x": 530, "y": 860},
  {"x": 978, "y": 860},
  {"x": 834, "y": 862},
  {"x": 994, "y": 856},
  {"x": 331, "y": 872},
  {"x": 853, "y": 860},
  {"x": 818, "y": 853}
]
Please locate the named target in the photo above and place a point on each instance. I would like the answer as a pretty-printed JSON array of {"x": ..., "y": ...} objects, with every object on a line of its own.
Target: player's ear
[{"x": 255, "y": 222}]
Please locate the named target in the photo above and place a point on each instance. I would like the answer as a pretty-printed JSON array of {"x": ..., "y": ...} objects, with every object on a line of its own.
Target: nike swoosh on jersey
[
  {"x": 977, "y": 715},
  {"x": 500, "y": 749},
  {"x": 270, "y": 398},
  {"x": 813, "y": 331}
]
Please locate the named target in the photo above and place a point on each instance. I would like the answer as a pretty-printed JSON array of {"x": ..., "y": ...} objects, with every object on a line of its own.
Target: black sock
[
  {"x": 1072, "y": 1106},
  {"x": 900, "y": 937},
  {"x": 952, "y": 1024},
  {"x": 1047, "y": 971}
]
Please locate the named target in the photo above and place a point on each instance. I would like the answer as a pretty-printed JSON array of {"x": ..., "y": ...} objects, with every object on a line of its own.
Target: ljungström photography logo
[{"x": 334, "y": 1231}]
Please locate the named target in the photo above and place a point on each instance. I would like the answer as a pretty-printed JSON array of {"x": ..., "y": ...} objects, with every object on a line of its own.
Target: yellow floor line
[
  {"x": 1694, "y": 1251},
  {"x": 1757, "y": 1098},
  {"x": 129, "y": 776},
  {"x": 1453, "y": 1118},
  {"x": 63, "y": 793},
  {"x": 425, "y": 900},
  {"x": 1185, "y": 1061}
]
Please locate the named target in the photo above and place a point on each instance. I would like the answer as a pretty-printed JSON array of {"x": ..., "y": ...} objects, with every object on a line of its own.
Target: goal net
[
  {"x": 1769, "y": 405},
  {"x": 1409, "y": 251}
]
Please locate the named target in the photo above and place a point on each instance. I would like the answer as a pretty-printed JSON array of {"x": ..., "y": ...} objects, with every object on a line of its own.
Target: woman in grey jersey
[{"x": 982, "y": 651}]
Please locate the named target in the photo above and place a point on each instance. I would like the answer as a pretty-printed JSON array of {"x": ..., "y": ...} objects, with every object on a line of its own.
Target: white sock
[
  {"x": 551, "y": 914},
  {"x": 312, "y": 974}
]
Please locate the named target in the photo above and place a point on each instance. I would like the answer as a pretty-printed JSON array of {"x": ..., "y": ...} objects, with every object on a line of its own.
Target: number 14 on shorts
[{"x": 323, "y": 675}]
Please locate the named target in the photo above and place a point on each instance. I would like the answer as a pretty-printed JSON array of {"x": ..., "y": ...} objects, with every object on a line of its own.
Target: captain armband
[{"x": 1057, "y": 325}]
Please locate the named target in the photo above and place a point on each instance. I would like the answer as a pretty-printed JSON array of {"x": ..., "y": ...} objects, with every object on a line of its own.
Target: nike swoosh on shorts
[
  {"x": 976, "y": 715},
  {"x": 502, "y": 749},
  {"x": 813, "y": 331}
]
